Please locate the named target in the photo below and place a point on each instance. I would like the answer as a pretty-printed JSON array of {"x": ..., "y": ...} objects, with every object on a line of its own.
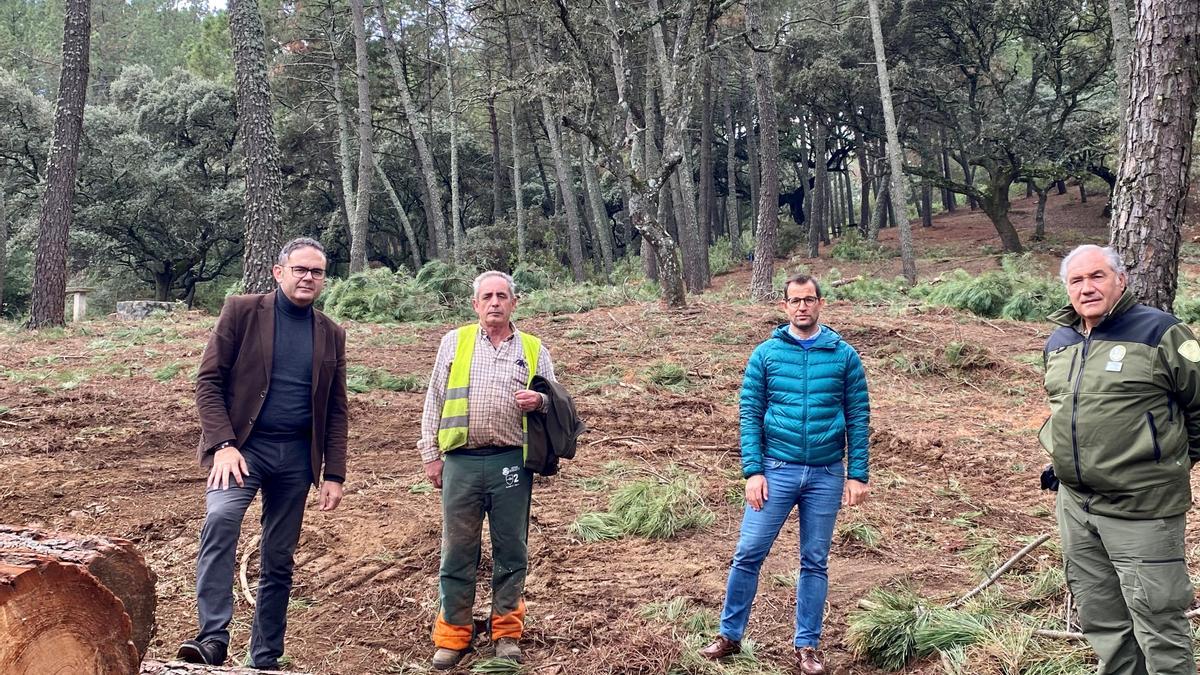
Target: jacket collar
[
  {"x": 1067, "y": 316},
  {"x": 826, "y": 339}
]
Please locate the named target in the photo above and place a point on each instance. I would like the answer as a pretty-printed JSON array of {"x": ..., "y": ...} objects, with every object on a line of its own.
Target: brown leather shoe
[
  {"x": 721, "y": 648},
  {"x": 810, "y": 660}
]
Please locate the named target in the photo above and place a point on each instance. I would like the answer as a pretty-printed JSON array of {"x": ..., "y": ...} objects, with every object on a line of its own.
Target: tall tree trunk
[
  {"x": 366, "y": 162},
  {"x": 949, "y": 201},
  {"x": 819, "y": 221},
  {"x": 848, "y": 193},
  {"x": 882, "y": 201},
  {"x": 1039, "y": 219},
  {"x": 4, "y": 243},
  {"x": 1152, "y": 180},
  {"x": 907, "y": 255},
  {"x": 549, "y": 203},
  {"x": 676, "y": 109},
  {"x": 456, "y": 226},
  {"x": 637, "y": 185},
  {"x": 807, "y": 186},
  {"x": 864, "y": 195},
  {"x": 595, "y": 200},
  {"x": 996, "y": 205},
  {"x": 343, "y": 130},
  {"x": 1082, "y": 191},
  {"x": 431, "y": 191},
  {"x": 54, "y": 219},
  {"x": 1118, "y": 15},
  {"x": 753, "y": 172},
  {"x": 733, "y": 223},
  {"x": 256, "y": 129},
  {"x": 410, "y": 234},
  {"x": 518, "y": 198},
  {"x": 705, "y": 206},
  {"x": 497, "y": 172},
  {"x": 767, "y": 227},
  {"x": 566, "y": 188}
]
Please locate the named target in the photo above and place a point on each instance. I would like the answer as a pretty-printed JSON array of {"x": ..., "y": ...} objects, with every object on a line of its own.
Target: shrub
[
  {"x": 852, "y": 247},
  {"x": 721, "y": 258},
  {"x": 361, "y": 379},
  {"x": 382, "y": 296},
  {"x": 1015, "y": 291},
  {"x": 656, "y": 508}
]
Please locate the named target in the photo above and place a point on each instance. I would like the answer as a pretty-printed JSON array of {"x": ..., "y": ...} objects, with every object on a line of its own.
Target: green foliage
[
  {"x": 658, "y": 507},
  {"x": 885, "y": 634},
  {"x": 668, "y": 375},
  {"x": 868, "y": 289},
  {"x": 361, "y": 379},
  {"x": 168, "y": 372},
  {"x": 498, "y": 666},
  {"x": 573, "y": 298},
  {"x": 531, "y": 277},
  {"x": 864, "y": 533},
  {"x": 382, "y": 296},
  {"x": 721, "y": 258},
  {"x": 852, "y": 247},
  {"x": 1015, "y": 291}
]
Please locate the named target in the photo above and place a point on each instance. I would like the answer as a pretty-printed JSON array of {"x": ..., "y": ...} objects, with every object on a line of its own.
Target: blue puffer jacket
[{"x": 805, "y": 406}]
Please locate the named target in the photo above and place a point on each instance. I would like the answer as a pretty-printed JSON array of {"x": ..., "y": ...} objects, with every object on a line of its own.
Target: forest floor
[{"x": 98, "y": 430}]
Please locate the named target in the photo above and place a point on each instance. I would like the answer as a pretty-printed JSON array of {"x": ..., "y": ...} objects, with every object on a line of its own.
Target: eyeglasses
[
  {"x": 807, "y": 301},
  {"x": 301, "y": 272}
]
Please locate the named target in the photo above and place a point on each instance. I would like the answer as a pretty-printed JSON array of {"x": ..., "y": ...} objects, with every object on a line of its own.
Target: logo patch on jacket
[{"x": 1190, "y": 350}]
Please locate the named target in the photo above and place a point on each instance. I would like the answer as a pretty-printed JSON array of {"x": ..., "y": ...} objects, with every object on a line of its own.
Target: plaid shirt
[{"x": 496, "y": 374}]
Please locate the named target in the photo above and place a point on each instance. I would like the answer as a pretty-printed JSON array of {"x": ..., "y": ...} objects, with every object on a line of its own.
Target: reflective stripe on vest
[{"x": 452, "y": 430}]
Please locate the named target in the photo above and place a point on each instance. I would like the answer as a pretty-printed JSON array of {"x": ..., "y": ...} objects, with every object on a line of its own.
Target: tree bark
[
  {"x": 705, "y": 205},
  {"x": 518, "y": 198},
  {"x": 4, "y": 244},
  {"x": 767, "y": 227},
  {"x": 907, "y": 255},
  {"x": 733, "y": 223},
  {"x": 432, "y": 192},
  {"x": 54, "y": 219},
  {"x": 676, "y": 109},
  {"x": 595, "y": 200},
  {"x": 1039, "y": 218},
  {"x": 949, "y": 201},
  {"x": 818, "y": 223},
  {"x": 115, "y": 562},
  {"x": 1118, "y": 15},
  {"x": 343, "y": 146},
  {"x": 753, "y": 172},
  {"x": 410, "y": 234},
  {"x": 864, "y": 195},
  {"x": 1152, "y": 180},
  {"x": 362, "y": 203},
  {"x": 456, "y": 226},
  {"x": 497, "y": 172}
]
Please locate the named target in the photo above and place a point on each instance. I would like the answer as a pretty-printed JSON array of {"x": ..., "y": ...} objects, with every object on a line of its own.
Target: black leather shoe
[{"x": 209, "y": 652}]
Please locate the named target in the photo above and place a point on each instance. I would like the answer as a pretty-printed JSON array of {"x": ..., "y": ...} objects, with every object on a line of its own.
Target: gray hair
[
  {"x": 512, "y": 285},
  {"x": 297, "y": 244},
  {"x": 1110, "y": 255}
]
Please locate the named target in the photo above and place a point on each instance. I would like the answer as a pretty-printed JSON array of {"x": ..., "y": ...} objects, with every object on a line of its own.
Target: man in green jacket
[{"x": 1123, "y": 434}]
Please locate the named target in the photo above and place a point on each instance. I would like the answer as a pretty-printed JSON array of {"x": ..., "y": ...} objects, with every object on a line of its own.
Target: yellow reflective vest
[{"x": 452, "y": 430}]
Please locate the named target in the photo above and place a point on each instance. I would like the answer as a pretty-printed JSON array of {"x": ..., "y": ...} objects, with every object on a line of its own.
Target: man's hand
[
  {"x": 228, "y": 460},
  {"x": 331, "y": 495},
  {"x": 528, "y": 400},
  {"x": 855, "y": 492},
  {"x": 433, "y": 471},
  {"x": 756, "y": 491}
]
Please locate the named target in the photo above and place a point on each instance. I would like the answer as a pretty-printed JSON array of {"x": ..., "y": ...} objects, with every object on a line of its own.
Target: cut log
[
  {"x": 179, "y": 668},
  {"x": 115, "y": 562},
  {"x": 58, "y": 618}
]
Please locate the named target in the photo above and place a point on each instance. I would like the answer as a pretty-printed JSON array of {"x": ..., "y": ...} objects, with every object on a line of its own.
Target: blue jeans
[
  {"x": 817, "y": 491},
  {"x": 282, "y": 471}
]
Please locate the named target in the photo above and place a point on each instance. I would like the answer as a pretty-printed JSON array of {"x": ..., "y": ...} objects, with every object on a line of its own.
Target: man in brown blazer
[{"x": 271, "y": 393}]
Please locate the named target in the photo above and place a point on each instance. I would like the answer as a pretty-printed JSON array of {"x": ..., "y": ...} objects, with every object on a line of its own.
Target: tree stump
[
  {"x": 113, "y": 561},
  {"x": 57, "y": 618},
  {"x": 179, "y": 668}
]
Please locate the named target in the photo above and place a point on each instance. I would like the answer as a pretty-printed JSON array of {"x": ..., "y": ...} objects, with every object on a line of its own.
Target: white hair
[
  {"x": 512, "y": 285},
  {"x": 1110, "y": 255}
]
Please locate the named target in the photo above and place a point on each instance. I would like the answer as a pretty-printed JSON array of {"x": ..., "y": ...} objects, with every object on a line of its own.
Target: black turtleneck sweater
[{"x": 287, "y": 412}]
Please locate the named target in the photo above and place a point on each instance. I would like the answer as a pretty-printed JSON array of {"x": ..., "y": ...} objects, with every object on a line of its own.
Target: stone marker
[{"x": 141, "y": 309}]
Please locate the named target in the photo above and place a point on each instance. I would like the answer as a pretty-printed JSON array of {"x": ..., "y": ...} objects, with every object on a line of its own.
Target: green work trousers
[
  {"x": 1130, "y": 582},
  {"x": 499, "y": 486}
]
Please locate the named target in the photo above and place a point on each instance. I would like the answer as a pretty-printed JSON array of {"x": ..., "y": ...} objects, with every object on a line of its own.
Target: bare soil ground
[{"x": 98, "y": 428}]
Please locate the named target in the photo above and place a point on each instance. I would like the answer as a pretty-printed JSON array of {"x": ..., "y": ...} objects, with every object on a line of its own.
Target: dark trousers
[
  {"x": 283, "y": 472},
  {"x": 497, "y": 485}
]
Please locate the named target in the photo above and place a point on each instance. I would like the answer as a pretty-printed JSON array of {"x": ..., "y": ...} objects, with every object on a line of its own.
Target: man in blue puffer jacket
[{"x": 804, "y": 408}]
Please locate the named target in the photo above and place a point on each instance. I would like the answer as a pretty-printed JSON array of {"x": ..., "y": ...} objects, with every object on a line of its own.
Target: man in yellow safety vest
[{"x": 473, "y": 444}]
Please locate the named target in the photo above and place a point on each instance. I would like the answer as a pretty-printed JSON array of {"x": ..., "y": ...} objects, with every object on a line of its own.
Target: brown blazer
[{"x": 235, "y": 372}]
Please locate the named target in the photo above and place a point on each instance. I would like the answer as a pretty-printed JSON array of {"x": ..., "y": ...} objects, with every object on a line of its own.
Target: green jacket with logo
[{"x": 1124, "y": 425}]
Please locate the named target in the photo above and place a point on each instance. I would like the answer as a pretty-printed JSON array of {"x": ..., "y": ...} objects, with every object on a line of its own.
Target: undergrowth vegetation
[{"x": 656, "y": 507}]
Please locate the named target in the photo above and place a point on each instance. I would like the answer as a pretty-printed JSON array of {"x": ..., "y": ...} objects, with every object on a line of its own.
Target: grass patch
[
  {"x": 362, "y": 379},
  {"x": 668, "y": 375},
  {"x": 422, "y": 488},
  {"x": 168, "y": 372},
  {"x": 863, "y": 533},
  {"x": 657, "y": 507},
  {"x": 498, "y": 666},
  {"x": 852, "y": 247}
]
